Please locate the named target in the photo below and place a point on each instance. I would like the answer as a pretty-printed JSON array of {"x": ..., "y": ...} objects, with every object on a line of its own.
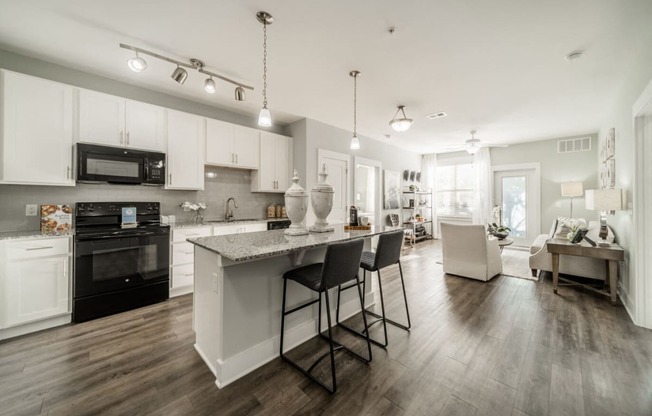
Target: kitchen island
[{"x": 238, "y": 294}]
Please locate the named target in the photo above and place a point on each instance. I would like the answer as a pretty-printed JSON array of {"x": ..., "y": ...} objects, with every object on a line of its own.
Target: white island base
[{"x": 237, "y": 309}]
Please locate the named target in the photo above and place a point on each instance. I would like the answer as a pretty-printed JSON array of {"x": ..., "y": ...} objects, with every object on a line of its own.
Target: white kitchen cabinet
[
  {"x": 231, "y": 145},
  {"x": 185, "y": 156},
  {"x": 182, "y": 257},
  {"x": 115, "y": 121},
  {"x": 36, "y": 277},
  {"x": 273, "y": 174},
  {"x": 37, "y": 140}
]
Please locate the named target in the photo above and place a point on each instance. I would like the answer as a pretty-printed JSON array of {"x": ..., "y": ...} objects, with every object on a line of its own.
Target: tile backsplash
[{"x": 228, "y": 182}]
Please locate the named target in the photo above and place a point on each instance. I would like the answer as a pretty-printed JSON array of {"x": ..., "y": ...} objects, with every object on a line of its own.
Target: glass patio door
[{"x": 517, "y": 192}]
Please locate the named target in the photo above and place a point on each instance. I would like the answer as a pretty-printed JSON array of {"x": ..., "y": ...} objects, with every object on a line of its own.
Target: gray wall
[
  {"x": 228, "y": 183},
  {"x": 311, "y": 135},
  {"x": 555, "y": 169}
]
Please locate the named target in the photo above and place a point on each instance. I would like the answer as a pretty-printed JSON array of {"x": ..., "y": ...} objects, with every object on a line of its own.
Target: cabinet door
[
  {"x": 36, "y": 131},
  {"x": 186, "y": 141},
  {"x": 282, "y": 167},
  {"x": 266, "y": 174},
  {"x": 246, "y": 143},
  {"x": 36, "y": 289},
  {"x": 101, "y": 118},
  {"x": 219, "y": 143},
  {"x": 145, "y": 126}
]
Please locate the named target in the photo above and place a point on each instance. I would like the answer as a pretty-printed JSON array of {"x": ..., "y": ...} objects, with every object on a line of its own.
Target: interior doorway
[
  {"x": 337, "y": 166},
  {"x": 368, "y": 188},
  {"x": 517, "y": 192}
]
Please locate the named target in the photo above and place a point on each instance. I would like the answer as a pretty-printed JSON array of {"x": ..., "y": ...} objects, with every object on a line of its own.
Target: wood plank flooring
[{"x": 506, "y": 347}]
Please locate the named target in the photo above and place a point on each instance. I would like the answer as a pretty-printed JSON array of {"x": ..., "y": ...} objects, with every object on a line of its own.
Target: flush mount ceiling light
[
  {"x": 400, "y": 124},
  {"x": 138, "y": 64},
  {"x": 264, "y": 117},
  {"x": 355, "y": 142}
]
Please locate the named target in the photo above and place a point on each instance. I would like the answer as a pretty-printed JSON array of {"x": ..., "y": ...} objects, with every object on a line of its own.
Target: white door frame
[
  {"x": 323, "y": 153},
  {"x": 378, "y": 191},
  {"x": 642, "y": 226},
  {"x": 536, "y": 198}
]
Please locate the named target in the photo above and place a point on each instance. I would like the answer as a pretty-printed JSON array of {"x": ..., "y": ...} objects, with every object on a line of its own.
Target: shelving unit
[{"x": 420, "y": 207}]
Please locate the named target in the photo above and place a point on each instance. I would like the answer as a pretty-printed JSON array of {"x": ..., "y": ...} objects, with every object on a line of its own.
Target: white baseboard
[
  {"x": 229, "y": 370},
  {"x": 27, "y": 328},
  {"x": 628, "y": 304},
  {"x": 206, "y": 360}
]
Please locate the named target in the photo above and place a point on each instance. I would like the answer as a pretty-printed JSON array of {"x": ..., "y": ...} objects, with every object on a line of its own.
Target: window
[{"x": 455, "y": 189}]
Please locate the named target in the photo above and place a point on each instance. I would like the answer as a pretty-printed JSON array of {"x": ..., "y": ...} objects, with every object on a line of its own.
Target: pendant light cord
[
  {"x": 355, "y": 105},
  {"x": 264, "y": 65}
]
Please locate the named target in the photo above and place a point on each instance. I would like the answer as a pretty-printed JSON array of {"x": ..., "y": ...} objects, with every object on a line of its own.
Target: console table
[{"x": 612, "y": 255}]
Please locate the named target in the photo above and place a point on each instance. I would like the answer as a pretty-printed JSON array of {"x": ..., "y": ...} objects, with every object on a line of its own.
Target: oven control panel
[{"x": 97, "y": 209}]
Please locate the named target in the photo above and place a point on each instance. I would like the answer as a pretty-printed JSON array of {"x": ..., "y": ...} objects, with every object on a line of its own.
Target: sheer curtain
[
  {"x": 482, "y": 187},
  {"x": 429, "y": 169}
]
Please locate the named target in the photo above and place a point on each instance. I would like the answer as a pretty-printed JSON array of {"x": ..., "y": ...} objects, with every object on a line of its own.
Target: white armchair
[{"x": 467, "y": 252}]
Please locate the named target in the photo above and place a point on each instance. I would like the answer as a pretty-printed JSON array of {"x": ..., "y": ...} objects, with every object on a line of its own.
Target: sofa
[
  {"x": 541, "y": 260},
  {"x": 467, "y": 252}
]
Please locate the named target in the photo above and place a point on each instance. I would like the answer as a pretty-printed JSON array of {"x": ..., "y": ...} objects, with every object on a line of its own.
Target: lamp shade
[
  {"x": 604, "y": 199},
  {"x": 572, "y": 189}
]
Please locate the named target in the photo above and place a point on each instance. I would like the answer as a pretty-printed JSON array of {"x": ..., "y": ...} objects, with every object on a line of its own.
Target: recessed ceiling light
[
  {"x": 574, "y": 55},
  {"x": 436, "y": 115}
]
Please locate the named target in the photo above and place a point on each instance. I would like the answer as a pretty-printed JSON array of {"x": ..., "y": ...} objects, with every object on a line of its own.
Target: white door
[
  {"x": 368, "y": 188},
  {"x": 517, "y": 192},
  {"x": 145, "y": 126},
  {"x": 101, "y": 118},
  {"x": 246, "y": 144},
  {"x": 337, "y": 166},
  {"x": 36, "y": 289},
  {"x": 37, "y": 131},
  {"x": 186, "y": 140},
  {"x": 219, "y": 143},
  {"x": 282, "y": 166}
]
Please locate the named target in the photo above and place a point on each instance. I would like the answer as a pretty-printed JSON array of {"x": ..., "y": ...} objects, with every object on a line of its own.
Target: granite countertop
[
  {"x": 219, "y": 222},
  {"x": 249, "y": 246},
  {"x": 12, "y": 235}
]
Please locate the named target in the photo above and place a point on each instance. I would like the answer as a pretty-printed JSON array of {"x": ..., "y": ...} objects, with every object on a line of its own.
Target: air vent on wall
[
  {"x": 582, "y": 144},
  {"x": 436, "y": 115}
]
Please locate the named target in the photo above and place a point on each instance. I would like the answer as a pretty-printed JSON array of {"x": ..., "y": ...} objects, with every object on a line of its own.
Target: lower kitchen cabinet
[{"x": 35, "y": 277}]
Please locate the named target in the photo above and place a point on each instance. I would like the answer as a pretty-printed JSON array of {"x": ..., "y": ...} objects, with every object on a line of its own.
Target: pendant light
[
  {"x": 355, "y": 142},
  {"x": 264, "y": 117},
  {"x": 400, "y": 124}
]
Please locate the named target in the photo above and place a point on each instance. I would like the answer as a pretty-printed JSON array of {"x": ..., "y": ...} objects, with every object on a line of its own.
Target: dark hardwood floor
[{"x": 507, "y": 347}]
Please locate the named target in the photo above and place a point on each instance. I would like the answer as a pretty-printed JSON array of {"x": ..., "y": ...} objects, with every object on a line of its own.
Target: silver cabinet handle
[
  {"x": 188, "y": 274},
  {"x": 189, "y": 252},
  {"x": 38, "y": 248},
  {"x": 68, "y": 172},
  {"x": 170, "y": 176},
  {"x": 232, "y": 158},
  {"x": 127, "y": 137},
  {"x": 236, "y": 158}
]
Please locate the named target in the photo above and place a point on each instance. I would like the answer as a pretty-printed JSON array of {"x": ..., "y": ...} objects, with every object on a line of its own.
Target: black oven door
[{"x": 116, "y": 262}]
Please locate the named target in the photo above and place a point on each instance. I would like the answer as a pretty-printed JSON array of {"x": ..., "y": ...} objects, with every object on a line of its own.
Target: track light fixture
[
  {"x": 264, "y": 117},
  {"x": 209, "y": 85},
  {"x": 400, "y": 124},
  {"x": 355, "y": 142},
  {"x": 138, "y": 64}
]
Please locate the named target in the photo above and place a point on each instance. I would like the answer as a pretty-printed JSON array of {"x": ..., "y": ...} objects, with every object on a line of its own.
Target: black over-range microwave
[{"x": 119, "y": 165}]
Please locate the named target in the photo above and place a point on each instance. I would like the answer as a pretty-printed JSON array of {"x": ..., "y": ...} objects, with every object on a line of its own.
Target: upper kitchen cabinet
[
  {"x": 37, "y": 139},
  {"x": 231, "y": 145},
  {"x": 273, "y": 174},
  {"x": 116, "y": 121},
  {"x": 185, "y": 154}
]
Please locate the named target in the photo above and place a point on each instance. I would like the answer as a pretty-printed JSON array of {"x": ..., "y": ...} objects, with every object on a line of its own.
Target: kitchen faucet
[{"x": 228, "y": 214}]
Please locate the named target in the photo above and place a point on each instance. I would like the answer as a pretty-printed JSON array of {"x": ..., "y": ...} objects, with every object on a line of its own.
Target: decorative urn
[
  {"x": 321, "y": 199},
  {"x": 296, "y": 205}
]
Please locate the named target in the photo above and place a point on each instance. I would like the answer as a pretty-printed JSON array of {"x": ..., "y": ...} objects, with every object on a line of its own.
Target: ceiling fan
[{"x": 473, "y": 145}]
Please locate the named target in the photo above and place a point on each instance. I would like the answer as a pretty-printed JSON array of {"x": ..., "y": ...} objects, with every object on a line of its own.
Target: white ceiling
[{"x": 496, "y": 66}]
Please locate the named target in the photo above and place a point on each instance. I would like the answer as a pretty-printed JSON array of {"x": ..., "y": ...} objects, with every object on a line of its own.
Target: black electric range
[{"x": 118, "y": 268}]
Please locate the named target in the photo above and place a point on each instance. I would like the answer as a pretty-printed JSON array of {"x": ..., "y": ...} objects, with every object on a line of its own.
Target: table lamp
[
  {"x": 571, "y": 189},
  {"x": 604, "y": 200}
]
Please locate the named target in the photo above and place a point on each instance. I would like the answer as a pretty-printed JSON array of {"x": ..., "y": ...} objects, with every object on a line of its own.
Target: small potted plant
[{"x": 499, "y": 231}]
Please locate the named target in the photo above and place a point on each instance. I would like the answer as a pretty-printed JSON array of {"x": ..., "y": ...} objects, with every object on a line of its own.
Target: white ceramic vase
[
  {"x": 321, "y": 199},
  {"x": 296, "y": 205}
]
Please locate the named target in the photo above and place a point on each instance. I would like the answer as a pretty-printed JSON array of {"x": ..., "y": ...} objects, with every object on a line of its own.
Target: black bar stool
[
  {"x": 387, "y": 253},
  {"x": 340, "y": 265}
]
